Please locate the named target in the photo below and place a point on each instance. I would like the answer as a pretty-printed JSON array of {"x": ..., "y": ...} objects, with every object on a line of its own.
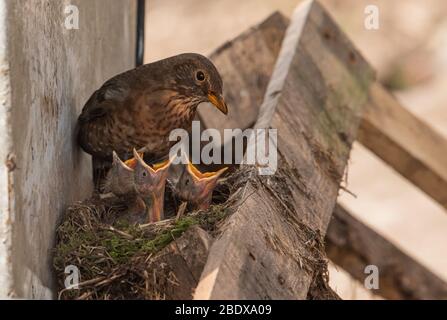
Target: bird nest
[
  {"x": 114, "y": 258},
  {"x": 119, "y": 260}
]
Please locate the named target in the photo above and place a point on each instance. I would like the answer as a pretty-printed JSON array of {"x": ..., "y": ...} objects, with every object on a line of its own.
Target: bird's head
[
  {"x": 195, "y": 186},
  {"x": 149, "y": 178},
  {"x": 119, "y": 168},
  {"x": 196, "y": 77}
]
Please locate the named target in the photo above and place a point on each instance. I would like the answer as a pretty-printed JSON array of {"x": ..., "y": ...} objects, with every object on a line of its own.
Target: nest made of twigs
[
  {"x": 114, "y": 257},
  {"x": 117, "y": 260}
]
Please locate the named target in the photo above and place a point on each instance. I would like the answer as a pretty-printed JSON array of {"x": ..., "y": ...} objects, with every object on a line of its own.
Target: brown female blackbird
[{"x": 139, "y": 108}]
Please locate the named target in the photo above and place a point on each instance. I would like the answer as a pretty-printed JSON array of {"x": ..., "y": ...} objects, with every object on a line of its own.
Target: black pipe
[{"x": 139, "y": 56}]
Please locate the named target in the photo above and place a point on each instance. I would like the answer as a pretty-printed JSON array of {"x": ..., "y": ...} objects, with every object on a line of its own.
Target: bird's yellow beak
[{"x": 218, "y": 101}]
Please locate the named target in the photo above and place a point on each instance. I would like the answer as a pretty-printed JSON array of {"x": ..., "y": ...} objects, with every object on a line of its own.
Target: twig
[
  {"x": 122, "y": 233},
  {"x": 181, "y": 210}
]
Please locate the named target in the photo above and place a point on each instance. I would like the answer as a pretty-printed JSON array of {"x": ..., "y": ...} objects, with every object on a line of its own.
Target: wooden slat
[
  {"x": 315, "y": 98},
  {"x": 406, "y": 143},
  {"x": 352, "y": 259},
  {"x": 393, "y": 133},
  {"x": 352, "y": 245},
  {"x": 246, "y": 64},
  {"x": 178, "y": 266}
]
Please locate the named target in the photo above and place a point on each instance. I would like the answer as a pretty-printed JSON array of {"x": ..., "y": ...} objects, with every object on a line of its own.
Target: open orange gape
[
  {"x": 142, "y": 186},
  {"x": 197, "y": 187}
]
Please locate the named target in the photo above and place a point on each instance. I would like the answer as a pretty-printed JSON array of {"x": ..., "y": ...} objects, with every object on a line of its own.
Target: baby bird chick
[
  {"x": 120, "y": 178},
  {"x": 140, "y": 185},
  {"x": 121, "y": 183},
  {"x": 197, "y": 187},
  {"x": 150, "y": 184}
]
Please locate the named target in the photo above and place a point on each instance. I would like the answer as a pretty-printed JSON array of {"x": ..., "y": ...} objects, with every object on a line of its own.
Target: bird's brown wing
[{"x": 105, "y": 100}]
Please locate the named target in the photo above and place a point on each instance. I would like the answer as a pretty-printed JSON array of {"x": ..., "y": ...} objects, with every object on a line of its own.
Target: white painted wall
[{"x": 46, "y": 74}]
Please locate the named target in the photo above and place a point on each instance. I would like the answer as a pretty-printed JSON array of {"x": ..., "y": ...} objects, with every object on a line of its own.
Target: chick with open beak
[
  {"x": 150, "y": 182},
  {"x": 120, "y": 179},
  {"x": 121, "y": 183},
  {"x": 197, "y": 187}
]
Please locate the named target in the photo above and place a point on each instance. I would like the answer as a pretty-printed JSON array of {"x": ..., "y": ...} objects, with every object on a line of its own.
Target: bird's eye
[
  {"x": 200, "y": 76},
  {"x": 144, "y": 174}
]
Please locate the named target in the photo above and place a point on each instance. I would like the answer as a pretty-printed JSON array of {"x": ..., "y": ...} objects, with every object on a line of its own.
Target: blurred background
[{"x": 409, "y": 52}]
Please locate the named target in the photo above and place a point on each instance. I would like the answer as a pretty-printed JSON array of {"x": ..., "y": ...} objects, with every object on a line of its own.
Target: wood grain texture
[
  {"x": 406, "y": 143},
  {"x": 353, "y": 245},
  {"x": 52, "y": 70},
  {"x": 352, "y": 236},
  {"x": 183, "y": 260},
  {"x": 315, "y": 99},
  {"x": 245, "y": 64}
]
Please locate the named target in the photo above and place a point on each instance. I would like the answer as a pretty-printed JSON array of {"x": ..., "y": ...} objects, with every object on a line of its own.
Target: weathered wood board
[
  {"x": 406, "y": 143},
  {"x": 183, "y": 260},
  {"x": 352, "y": 245},
  {"x": 315, "y": 99},
  {"x": 246, "y": 64},
  {"x": 47, "y": 72},
  {"x": 389, "y": 130},
  {"x": 276, "y": 25}
]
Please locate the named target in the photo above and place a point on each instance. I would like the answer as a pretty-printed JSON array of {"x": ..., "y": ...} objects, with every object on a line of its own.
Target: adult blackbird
[{"x": 139, "y": 108}]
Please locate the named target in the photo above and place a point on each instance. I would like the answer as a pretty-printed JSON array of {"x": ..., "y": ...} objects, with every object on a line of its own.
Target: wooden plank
[
  {"x": 406, "y": 143},
  {"x": 353, "y": 245},
  {"x": 277, "y": 24},
  {"x": 320, "y": 290},
  {"x": 246, "y": 69},
  {"x": 245, "y": 64},
  {"x": 315, "y": 99},
  {"x": 178, "y": 266},
  {"x": 393, "y": 133},
  {"x": 52, "y": 70}
]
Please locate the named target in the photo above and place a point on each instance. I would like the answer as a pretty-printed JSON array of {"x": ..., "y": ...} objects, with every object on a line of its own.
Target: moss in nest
[{"x": 114, "y": 257}]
